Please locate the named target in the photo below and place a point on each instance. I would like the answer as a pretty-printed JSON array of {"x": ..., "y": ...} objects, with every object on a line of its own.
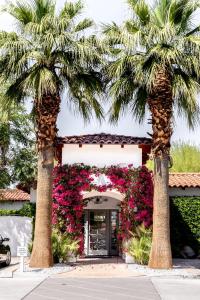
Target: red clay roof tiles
[
  {"x": 184, "y": 180},
  {"x": 104, "y": 138},
  {"x": 13, "y": 195}
]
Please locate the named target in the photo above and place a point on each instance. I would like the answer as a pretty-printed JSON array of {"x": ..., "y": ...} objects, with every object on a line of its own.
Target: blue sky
[{"x": 103, "y": 11}]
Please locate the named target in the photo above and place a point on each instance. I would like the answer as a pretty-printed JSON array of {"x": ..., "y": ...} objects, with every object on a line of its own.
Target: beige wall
[{"x": 104, "y": 203}]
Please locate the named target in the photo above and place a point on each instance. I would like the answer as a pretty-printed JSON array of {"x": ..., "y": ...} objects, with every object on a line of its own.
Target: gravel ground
[
  {"x": 181, "y": 267},
  {"x": 46, "y": 272}
]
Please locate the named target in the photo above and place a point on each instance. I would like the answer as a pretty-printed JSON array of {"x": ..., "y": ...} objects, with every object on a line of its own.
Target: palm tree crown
[
  {"x": 51, "y": 55},
  {"x": 155, "y": 52}
]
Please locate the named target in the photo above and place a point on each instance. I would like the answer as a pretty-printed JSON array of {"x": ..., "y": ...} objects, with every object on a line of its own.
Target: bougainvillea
[{"x": 70, "y": 181}]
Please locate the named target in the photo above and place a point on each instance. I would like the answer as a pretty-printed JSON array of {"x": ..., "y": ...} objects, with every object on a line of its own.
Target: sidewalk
[{"x": 96, "y": 280}]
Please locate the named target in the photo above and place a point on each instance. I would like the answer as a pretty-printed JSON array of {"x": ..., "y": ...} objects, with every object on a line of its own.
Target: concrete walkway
[
  {"x": 177, "y": 289},
  {"x": 17, "y": 288}
]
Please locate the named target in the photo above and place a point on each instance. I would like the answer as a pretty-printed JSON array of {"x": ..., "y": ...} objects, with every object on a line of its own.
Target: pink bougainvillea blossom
[{"x": 71, "y": 181}]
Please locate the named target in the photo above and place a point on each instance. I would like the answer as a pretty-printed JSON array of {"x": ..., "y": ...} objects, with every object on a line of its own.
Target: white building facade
[{"x": 101, "y": 214}]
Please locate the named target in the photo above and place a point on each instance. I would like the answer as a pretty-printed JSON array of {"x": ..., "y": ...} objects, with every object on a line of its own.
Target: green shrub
[
  {"x": 28, "y": 210},
  {"x": 63, "y": 246},
  {"x": 139, "y": 245},
  {"x": 185, "y": 223}
]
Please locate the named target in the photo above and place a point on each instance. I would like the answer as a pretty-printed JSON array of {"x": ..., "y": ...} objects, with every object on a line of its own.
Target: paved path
[
  {"x": 177, "y": 289},
  {"x": 17, "y": 288},
  {"x": 95, "y": 289}
]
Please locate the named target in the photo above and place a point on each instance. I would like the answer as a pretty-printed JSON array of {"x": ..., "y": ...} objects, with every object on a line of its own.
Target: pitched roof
[
  {"x": 13, "y": 195},
  {"x": 184, "y": 180},
  {"x": 104, "y": 138}
]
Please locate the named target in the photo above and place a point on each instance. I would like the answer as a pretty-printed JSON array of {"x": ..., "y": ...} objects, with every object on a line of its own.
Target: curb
[{"x": 8, "y": 271}]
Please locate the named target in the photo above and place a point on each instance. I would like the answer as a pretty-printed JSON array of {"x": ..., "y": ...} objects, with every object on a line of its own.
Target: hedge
[
  {"x": 185, "y": 223},
  {"x": 28, "y": 210}
]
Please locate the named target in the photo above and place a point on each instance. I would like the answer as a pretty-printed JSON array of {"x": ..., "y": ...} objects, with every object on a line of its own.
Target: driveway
[{"x": 95, "y": 289}]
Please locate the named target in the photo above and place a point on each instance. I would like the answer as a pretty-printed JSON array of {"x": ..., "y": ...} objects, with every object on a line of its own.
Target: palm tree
[
  {"x": 49, "y": 57},
  {"x": 155, "y": 66}
]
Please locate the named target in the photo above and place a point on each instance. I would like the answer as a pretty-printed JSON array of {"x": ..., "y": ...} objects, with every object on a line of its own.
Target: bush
[
  {"x": 185, "y": 223},
  {"x": 63, "y": 246},
  {"x": 139, "y": 245},
  {"x": 28, "y": 210}
]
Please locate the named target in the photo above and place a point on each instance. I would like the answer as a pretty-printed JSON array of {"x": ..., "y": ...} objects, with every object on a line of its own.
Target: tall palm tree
[
  {"x": 49, "y": 58},
  {"x": 155, "y": 66}
]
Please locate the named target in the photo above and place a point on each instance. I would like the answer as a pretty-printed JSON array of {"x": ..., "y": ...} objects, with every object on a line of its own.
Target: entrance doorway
[{"x": 101, "y": 232}]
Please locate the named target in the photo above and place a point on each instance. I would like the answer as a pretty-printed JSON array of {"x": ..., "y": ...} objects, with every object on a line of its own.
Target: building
[
  {"x": 101, "y": 214},
  {"x": 184, "y": 184},
  {"x": 13, "y": 199}
]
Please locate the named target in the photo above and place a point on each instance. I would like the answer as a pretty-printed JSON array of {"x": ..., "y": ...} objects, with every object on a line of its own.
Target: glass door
[
  {"x": 114, "y": 224},
  {"x": 98, "y": 233}
]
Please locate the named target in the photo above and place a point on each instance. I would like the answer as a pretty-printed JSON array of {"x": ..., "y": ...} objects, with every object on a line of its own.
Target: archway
[{"x": 75, "y": 185}]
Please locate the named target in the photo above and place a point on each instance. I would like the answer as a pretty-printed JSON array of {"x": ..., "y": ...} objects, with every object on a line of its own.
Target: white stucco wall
[
  {"x": 33, "y": 194},
  {"x": 104, "y": 203},
  {"x": 15, "y": 205},
  {"x": 16, "y": 228},
  {"x": 100, "y": 157},
  {"x": 190, "y": 192}
]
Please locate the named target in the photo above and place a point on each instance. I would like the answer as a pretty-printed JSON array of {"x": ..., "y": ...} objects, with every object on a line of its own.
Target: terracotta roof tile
[
  {"x": 184, "y": 180},
  {"x": 104, "y": 138},
  {"x": 13, "y": 195}
]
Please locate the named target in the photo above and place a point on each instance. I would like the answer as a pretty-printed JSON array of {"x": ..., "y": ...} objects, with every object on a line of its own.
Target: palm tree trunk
[
  {"x": 47, "y": 110},
  {"x": 42, "y": 253},
  {"x": 161, "y": 257},
  {"x": 160, "y": 104}
]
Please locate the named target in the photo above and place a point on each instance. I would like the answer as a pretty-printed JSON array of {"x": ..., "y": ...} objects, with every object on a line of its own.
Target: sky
[{"x": 105, "y": 11}]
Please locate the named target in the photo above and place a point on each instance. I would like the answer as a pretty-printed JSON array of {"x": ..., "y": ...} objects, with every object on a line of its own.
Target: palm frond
[
  {"x": 84, "y": 24},
  {"x": 141, "y": 10},
  {"x": 71, "y": 10}
]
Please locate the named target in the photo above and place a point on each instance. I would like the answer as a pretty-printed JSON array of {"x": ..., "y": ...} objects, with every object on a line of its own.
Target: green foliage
[
  {"x": 185, "y": 157},
  {"x": 63, "y": 246},
  {"x": 158, "y": 37},
  {"x": 139, "y": 245},
  {"x": 185, "y": 223},
  {"x": 28, "y": 210},
  {"x": 17, "y": 146},
  {"x": 24, "y": 164}
]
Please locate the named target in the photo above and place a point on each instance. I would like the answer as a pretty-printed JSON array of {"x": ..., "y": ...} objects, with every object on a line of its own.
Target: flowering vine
[{"x": 70, "y": 181}]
